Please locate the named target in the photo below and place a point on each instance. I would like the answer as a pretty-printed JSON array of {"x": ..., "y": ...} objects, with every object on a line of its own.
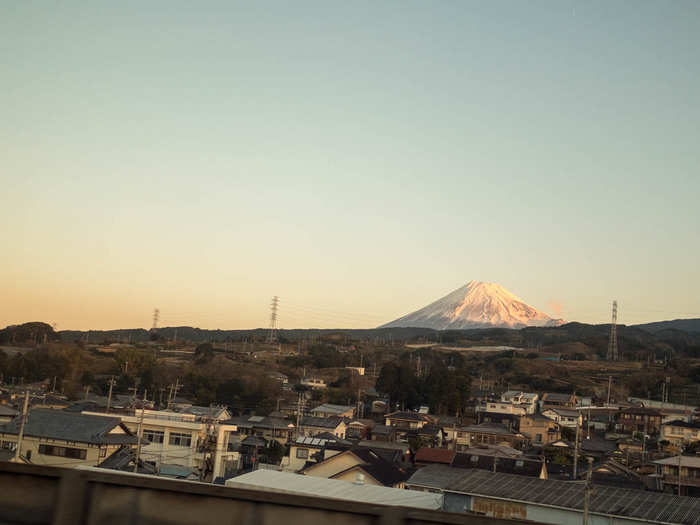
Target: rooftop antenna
[
  {"x": 612, "y": 344},
  {"x": 272, "y": 336}
]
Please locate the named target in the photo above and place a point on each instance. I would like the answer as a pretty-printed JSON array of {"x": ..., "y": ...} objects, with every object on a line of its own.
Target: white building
[
  {"x": 183, "y": 439},
  {"x": 564, "y": 416}
]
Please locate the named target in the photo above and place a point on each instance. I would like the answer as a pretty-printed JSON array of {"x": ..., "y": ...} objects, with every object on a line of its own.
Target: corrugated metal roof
[
  {"x": 645, "y": 505},
  {"x": 290, "y": 483},
  {"x": 436, "y": 476}
]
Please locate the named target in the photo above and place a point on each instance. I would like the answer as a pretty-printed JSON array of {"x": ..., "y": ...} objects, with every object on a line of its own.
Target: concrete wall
[{"x": 42, "y": 495}]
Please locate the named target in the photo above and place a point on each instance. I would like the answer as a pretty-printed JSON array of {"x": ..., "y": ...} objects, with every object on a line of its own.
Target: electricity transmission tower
[
  {"x": 272, "y": 336},
  {"x": 612, "y": 344},
  {"x": 156, "y": 316}
]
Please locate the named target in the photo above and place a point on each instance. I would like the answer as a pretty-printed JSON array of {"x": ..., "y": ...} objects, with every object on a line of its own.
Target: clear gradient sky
[{"x": 358, "y": 159}]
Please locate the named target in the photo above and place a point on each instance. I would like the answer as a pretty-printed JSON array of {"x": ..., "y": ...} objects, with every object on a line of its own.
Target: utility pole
[
  {"x": 578, "y": 430},
  {"x": 298, "y": 413},
  {"x": 87, "y": 391},
  {"x": 138, "y": 441},
  {"x": 21, "y": 425},
  {"x": 588, "y": 490},
  {"x": 109, "y": 397},
  {"x": 680, "y": 456},
  {"x": 53, "y": 388},
  {"x": 609, "y": 388}
]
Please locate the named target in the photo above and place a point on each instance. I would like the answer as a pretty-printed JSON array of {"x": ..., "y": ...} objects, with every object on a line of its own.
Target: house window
[
  {"x": 519, "y": 463},
  {"x": 180, "y": 440},
  {"x": 538, "y": 438},
  {"x": 475, "y": 459},
  {"x": 64, "y": 452},
  {"x": 9, "y": 445},
  {"x": 154, "y": 436},
  {"x": 302, "y": 453},
  {"x": 103, "y": 452}
]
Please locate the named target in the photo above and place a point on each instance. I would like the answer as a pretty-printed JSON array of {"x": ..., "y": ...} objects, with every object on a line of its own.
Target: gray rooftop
[
  {"x": 334, "y": 409},
  {"x": 69, "y": 426},
  {"x": 610, "y": 501},
  {"x": 287, "y": 482},
  {"x": 320, "y": 422},
  {"x": 436, "y": 476}
]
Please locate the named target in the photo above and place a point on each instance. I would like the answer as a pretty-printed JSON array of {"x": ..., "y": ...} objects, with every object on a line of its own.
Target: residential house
[
  {"x": 329, "y": 410},
  {"x": 540, "y": 430},
  {"x": 305, "y": 450},
  {"x": 269, "y": 428},
  {"x": 502, "y": 407},
  {"x": 279, "y": 377},
  {"x": 641, "y": 419},
  {"x": 359, "y": 464},
  {"x": 406, "y": 420},
  {"x": 359, "y": 429},
  {"x": 488, "y": 434},
  {"x": 526, "y": 400},
  {"x": 508, "y": 420},
  {"x": 428, "y": 435},
  {"x": 430, "y": 456},
  {"x": 501, "y": 459},
  {"x": 7, "y": 413},
  {"x": 383, "y": 433},
  {"x": 379, "y": 407},
  {"x": 314, "y": 383},
  {"x": 563, "y": 416},
  {"x": 556, "y": 400},
  {"x": 680, "y": 433},
  {"x": 310, "y": 426},
  {"x": 668, "y": 470},
  {"x": 58, "y": 438}
]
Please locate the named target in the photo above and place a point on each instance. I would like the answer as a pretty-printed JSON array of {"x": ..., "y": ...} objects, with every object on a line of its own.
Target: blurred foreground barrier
[{"x": 31, "y": 494}]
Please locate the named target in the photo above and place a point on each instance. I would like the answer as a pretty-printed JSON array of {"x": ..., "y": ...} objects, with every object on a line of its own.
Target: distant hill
[
  {"x": 27, "y": 333},
  {"x": 685, "y": 325}
]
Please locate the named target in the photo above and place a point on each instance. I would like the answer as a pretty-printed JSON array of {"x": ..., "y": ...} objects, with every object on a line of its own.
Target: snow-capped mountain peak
[{"x": 476, "y": 305}]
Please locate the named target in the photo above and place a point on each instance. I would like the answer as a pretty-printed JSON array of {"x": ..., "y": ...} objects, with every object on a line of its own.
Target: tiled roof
[
  {"x": 333, "y": 409},
  {"x": 487, "y": 428},
  {"x": 321, "y": 422},
  {"x": 435, "y": 455},
  {"x": 514, "y": 465},
  {"x": 68, "y": 426},
  {"x": 683, "y": 424},
  {"x": 554, "y": 396},
  {"x": 407, "y": 416}
]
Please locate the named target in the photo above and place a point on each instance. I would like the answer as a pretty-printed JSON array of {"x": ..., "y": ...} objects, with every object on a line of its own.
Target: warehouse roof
[
  {"x": 610, "y": 501},
  {"x": 436, "y": 476},
  {"x": 287, "y": 482}
]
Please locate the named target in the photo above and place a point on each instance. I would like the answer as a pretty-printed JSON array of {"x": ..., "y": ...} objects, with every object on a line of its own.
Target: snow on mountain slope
[{"x": 476, "y": 305}]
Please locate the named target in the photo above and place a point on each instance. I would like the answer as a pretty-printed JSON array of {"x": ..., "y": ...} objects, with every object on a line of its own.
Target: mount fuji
[{"x": 476, "y": 305}]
